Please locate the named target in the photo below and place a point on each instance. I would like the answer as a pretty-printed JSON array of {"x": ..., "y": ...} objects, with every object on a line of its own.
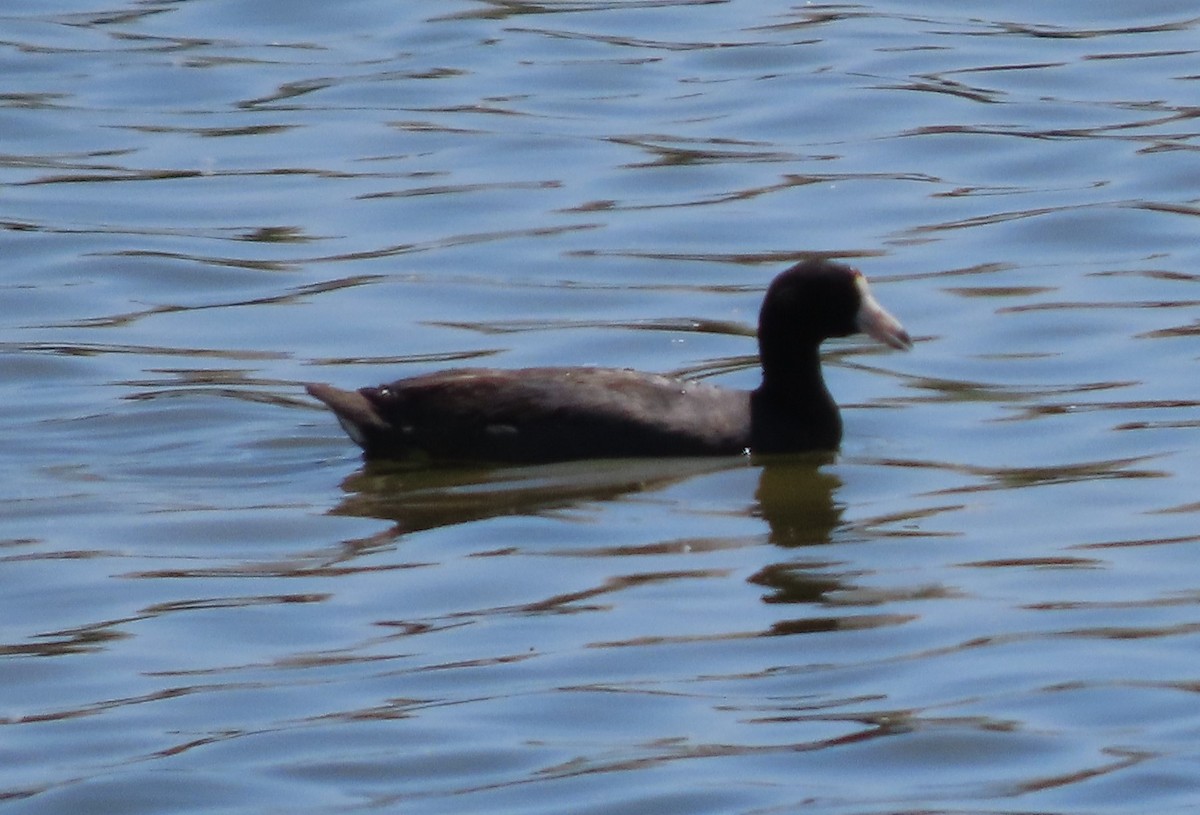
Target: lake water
[{"x": 988, "y": 602}]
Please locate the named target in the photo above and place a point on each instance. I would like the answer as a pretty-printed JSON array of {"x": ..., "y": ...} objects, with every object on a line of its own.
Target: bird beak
[{"x": 873, "y": 319}]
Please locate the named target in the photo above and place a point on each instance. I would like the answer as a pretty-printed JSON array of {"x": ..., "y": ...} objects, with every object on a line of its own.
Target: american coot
[{"x": 560, "y": 414}]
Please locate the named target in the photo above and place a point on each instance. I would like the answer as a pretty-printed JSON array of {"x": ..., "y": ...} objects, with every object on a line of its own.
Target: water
[{"x": 986, "y": 603}]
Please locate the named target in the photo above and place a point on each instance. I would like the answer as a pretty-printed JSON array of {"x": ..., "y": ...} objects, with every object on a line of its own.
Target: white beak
[{"x": 874, "y": 320}]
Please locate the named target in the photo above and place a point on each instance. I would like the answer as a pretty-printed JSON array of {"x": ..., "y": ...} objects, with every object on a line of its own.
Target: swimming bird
[{"x": 534, "y": 415}]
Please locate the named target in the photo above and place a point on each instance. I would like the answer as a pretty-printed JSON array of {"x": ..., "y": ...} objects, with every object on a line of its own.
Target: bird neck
[
  {"x": 795, "y": 377},
  {"x": 792, "y": 410}
]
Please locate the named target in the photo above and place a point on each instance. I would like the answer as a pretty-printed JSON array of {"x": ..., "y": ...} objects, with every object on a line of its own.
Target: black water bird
[{"x": 536, "y": 415}]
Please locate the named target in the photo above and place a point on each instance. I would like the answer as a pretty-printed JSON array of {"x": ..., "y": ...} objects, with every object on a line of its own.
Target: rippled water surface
[{"x": 988, "y": 602}]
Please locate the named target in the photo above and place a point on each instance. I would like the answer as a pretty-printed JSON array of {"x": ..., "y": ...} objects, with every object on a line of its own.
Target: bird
[{"x": 553, "y": 414}]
